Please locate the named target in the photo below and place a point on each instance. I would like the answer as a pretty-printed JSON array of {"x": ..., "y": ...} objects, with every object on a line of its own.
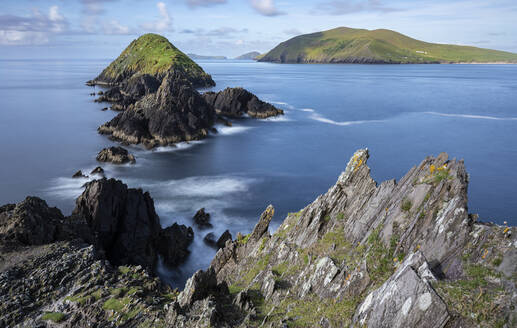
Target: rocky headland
[
  {"x": 397, "y": 254},
  {"x": 159, "y": 102}
]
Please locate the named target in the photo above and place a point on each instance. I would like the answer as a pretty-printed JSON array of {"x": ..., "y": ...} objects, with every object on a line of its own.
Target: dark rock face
[
  {"x": 223, "y": 239},
  {"x": 219, "y": 243},
  {"x": 175, "y": 113},
  {"x": 31, "y": 222},
  {"x": 126, "y": 227},
  {"x": 130, "y": 91},
  {"x": 210, "y": 240},
  {"x": 67, "y": 278},
  {"x": 199, "y": 286},
  {"x": 124, "y": 221},
  {"x": 115, "y": 155},
  {"x": 79, "y": 174},
  {"x": 98, "y": 170},
  {"x": 202, "y": 219},
  {"x": 173, "y": 242},
  {"x": 234, "y": 102}
]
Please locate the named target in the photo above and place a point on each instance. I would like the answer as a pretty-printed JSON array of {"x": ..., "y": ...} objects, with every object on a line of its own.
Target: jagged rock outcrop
[
  {"x": 397, "y": 254},
  {"x": 173, "y": 243},
  {"x": 175, "y": 113},
  {"x": 235, "y": 102},
  {"x": 79, "y": 174},
  {"x": 126, "y": 227},
  {"x": 98, "y": 170},
  {"x": 116, "y": 155},
  {"x": 219, "y": 243},
  {"x": 30, "y": 222},
  {"x": 202, "y": 219}
]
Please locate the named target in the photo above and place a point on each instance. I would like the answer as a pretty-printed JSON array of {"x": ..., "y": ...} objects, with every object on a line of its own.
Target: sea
[{"x": 401, "y": 113}]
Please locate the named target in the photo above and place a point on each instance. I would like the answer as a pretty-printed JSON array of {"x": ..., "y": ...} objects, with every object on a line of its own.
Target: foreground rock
[
  {"x": 64, "y": 284},
  {"x": 115, "y": 155},
  {"x": 235, "y": 102},
  {"x": 127, "y": 228},
  {"x": 397, "y": 254}
]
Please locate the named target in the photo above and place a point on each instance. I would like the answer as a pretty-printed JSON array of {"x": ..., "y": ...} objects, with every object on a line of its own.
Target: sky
[{"x": 82, "y": 29}]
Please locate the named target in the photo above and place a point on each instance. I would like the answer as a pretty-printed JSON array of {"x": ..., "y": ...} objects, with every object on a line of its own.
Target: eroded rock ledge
[{"x": 397, "y": 254}]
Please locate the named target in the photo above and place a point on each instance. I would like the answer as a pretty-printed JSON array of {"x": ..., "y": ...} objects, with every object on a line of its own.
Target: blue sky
[{"x": 102, "y": 28}]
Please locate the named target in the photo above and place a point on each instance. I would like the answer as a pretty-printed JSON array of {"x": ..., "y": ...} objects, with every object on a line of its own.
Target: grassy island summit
[
  {"x": 361, "y": 46},
  {"x": 152, "y": 54}
]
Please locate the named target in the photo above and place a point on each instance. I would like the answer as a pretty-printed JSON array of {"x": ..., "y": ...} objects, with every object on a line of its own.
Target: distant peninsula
[
  {"x": 249, "y": 56},
  {"x": 194, "y": 56},
  {"x": 361, "y": 46}
]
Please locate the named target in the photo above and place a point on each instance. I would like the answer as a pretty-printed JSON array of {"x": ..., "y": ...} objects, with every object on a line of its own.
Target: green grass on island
[
  {"x": 348, "y": 45},
  {"x": 150, "y": 54}
]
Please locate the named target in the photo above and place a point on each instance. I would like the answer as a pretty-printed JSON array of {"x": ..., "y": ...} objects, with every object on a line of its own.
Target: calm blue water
[{"x": 402, "y": 113}]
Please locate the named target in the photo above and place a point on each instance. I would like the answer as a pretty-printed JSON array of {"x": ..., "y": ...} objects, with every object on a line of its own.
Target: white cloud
[
  {"x": 266, "y": 7},
  {"x": 114, "y": 27},
  {"x": 204, "y": 3},
  {"x": 164, "y": 23},
  {"x": 34, "y": 29}
]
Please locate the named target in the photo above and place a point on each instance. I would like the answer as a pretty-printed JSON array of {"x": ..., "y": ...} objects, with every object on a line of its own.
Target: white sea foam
[
  {"x": 279, "y": 118},
  {"x": 309, "y": 110},
  {"x": 230, "y": 130},
  {"x": 471, "y": 116},
  {"x": 177, "y": 147},
  {"x": 322, "y": 119},
  {"x": 201, "y": 186},
  {"x": 68, "y": 188}
]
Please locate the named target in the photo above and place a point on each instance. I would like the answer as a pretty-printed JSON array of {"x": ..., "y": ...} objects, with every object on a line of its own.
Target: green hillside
[
  {"x": 348, "y": 45},
  {"x": 152, "y": 54}
]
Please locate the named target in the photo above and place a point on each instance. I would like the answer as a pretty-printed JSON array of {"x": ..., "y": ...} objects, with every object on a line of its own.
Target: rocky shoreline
[{"x": 397, "y": 254}]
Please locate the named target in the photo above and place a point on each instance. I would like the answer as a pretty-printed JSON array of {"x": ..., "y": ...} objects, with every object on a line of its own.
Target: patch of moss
[
  {"x": 474, "y": 296},
  {"x": 340, "y": 216},
  {"x": 280, "y": 269},
  {"x": 406, "y": 205},
  {"x": 124, "y": 269},
  {"x": 53, "y": 316}
]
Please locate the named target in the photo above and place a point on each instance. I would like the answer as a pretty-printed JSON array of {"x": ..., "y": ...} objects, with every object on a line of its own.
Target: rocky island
[
  {"x": 360, "y": 46},
  {"x": 397, "y": 254},
  {"x": 158, "y": 98}
]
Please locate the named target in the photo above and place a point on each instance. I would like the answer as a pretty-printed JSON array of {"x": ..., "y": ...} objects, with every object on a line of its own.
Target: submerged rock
[
  {"x": 115, "y": 155},
  {"x": 235, "y": 102}
]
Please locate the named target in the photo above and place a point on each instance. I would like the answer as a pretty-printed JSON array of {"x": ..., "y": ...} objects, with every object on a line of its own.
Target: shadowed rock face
[
  {"x": 126, "y": 227},
  {"x": 175, "y": 113},
  {"x": 235, "y": 102},
  {"x": 30, "y": 222}
]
